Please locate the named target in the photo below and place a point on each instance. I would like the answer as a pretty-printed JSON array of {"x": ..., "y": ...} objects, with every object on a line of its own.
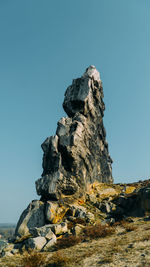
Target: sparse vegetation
[
  {"x": 97, "y": 231},
  {"x": 76, "y": 221},
  {"x": 66, "y": 242},
  {"x": 33, "y": 259},
  {"x": 126, "y": 225},
  {"x": 58, "y": 260},
  {"x": 116, "y": 250},
  {"x": 39, "y": 259}
]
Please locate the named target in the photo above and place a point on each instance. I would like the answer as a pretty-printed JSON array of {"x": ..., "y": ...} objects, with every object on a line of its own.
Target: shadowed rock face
[{"x": 78, "y": 154}]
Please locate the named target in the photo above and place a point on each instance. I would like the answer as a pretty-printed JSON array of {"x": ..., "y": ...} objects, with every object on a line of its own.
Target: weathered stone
[
  {"x": 49, "y": 244},
  {"x": 7, "y": 250},
  {"x": 6, "y": 254},
  {"x": 36, "y": 243},
  {"x": 32, "y": 216},
  {"x": 77, "y": 211},
  {"x": 14, "y": 251},
  {"x": 92, "y": 198},
  {"x": 78, "y": 154},
  {"x": 78, "y": 229},
  {"x": 59, "y": 229},
  {"x": 44, "y": 231},
  {"x": 47, "y": 186},
  {"x": 55, "y": 212},
  {"x": 108, "y": 208},
  {"x": 90, "y": 217},
  {"x": 3, "y": 244}
]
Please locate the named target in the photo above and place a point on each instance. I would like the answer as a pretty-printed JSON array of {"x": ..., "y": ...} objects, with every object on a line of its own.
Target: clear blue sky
[{"x": 44, "y": 44}]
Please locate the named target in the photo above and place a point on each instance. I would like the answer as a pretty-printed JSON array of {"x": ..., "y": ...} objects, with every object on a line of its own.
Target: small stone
[
  {"x": 130, "y": 245},
  {"x": 78, "y": 229},
  {"x": 14, "y": 251},
  {"x": 108, "y": 209}
]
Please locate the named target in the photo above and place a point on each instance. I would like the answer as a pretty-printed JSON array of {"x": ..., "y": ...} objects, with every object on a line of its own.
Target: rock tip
[{"x": 92, "y": 72}]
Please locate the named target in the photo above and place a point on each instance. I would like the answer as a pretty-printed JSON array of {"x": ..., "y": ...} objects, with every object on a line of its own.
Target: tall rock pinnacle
[{"x": 78, "y": 154}]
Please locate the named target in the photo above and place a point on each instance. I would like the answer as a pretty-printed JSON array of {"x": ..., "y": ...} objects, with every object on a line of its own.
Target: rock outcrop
[
  {"x": 78, "y": 154},
  {"x": 75, "y": 158},
  {"x": 76, "y": 187}
]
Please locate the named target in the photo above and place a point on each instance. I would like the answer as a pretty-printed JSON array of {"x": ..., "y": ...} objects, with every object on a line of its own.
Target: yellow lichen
[{"x": 129, "y": 189}]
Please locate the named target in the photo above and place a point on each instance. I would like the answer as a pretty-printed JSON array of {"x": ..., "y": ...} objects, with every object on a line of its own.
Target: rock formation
[
  {"x": 76, "y": 187},
  {"x": 75, "y": 158},
  {"x": 78, "y": 154}
]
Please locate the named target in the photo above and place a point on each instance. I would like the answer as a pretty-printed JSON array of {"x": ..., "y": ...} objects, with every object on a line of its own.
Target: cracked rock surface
[{"x": 78, "y": 154}]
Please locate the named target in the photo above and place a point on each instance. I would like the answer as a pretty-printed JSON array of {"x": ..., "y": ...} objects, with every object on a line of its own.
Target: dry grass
[
  {"x": 37, "y": 259},
  {"x": 66, "y": 242},
  {"x": 80, "y": 221},
  {"x": 58, "y": 260},
  {"x": 126, "y": 225},
  {"x": 98, "y": 231},
  {"x": 105, "y": 260},
  {"x": 130, "y": 228},
  {"x": 33, "y": 259},
  {"x": 76, "y": 221}
]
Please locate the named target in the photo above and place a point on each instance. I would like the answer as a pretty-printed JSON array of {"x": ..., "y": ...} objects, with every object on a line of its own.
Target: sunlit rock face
[{"x": 78, "y": 154}]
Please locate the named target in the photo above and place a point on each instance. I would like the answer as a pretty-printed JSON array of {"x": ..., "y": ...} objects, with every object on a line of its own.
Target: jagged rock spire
[{"x": 78, "y": 154}]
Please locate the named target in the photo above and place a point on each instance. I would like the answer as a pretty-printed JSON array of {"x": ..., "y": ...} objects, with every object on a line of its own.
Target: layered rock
[{"x": 78, "y": 154}]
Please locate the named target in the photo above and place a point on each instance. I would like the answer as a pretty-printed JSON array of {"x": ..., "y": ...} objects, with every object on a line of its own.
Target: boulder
[
  {"x": 59, "y": 229},
  {"x": 44, "y": 231},
  {"x": 55, "y": 212},
  {"x": 78, "y": 154},
  {"x": 77, "y": 211},
  {"x": 36, "y": 243},
  {"x": 32, "y": 216}
]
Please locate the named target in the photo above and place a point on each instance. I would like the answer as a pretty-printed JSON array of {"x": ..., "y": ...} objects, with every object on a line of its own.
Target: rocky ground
[
  {"x": 127, "y": 246},
  {"x": 109, "y": 226}
]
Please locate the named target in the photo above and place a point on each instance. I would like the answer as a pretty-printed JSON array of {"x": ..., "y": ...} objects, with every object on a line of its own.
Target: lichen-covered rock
[
  {"x": 78, "y": 154},
  {"x": 32, "y": 216},
  {"x": 55, "y": 212}
]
